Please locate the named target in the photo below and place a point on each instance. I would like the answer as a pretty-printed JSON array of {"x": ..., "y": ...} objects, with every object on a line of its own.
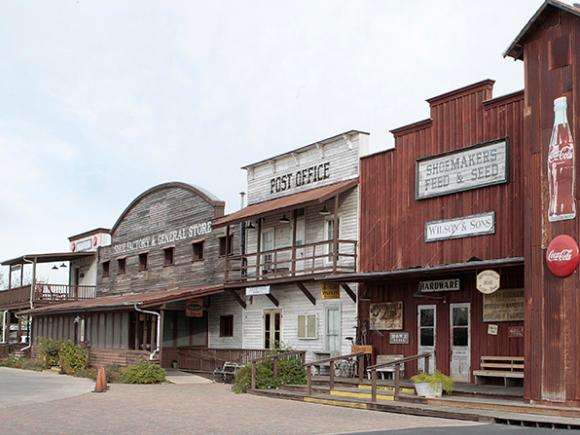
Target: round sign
[
  {"x": 488, "y": 281},
  {"x": 562, "y": 255}
]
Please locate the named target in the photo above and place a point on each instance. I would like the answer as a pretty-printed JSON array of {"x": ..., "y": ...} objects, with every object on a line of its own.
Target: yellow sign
[
  {"x": 194, "y": 308},
  {"x": 330, "y": 291}
]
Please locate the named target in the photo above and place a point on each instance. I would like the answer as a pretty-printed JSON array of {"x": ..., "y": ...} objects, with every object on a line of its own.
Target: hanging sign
[
  {"x": 440, "y": 285},
  {"x": 562, "y": 255},
  {"x": 194, "y": 308},
  {"x": 457, "y": 228},
  {"x": 262, "y": 290},
  {"x": 487, "y": 281},
  {"x": 330, "y": 291}
]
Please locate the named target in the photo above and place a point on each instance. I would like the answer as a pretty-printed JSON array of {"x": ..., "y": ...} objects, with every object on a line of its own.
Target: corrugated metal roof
[
  {"x": 286, "y": 203},
  {"x": 113, "y": 302},
  {"x": 516, "y": 48},
  {"x": 48, "y": 258}
]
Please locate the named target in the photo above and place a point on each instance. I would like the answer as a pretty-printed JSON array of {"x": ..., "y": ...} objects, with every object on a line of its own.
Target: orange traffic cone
[{"x": 101, "y": 384}]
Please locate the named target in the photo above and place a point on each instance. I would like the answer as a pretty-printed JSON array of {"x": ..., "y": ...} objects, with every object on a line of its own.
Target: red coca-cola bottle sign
[
  {"x": 561, "y": 168},
  {"x": 562, "y": 255}
]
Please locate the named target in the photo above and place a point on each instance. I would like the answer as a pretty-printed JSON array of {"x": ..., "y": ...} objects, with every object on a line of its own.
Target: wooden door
[
  {"x": 460, "y": 335},
  {"x": 427, "y": 327}
]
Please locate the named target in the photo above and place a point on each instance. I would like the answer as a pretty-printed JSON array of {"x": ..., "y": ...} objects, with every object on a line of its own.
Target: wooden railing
[
  {"x": 359, "y": 355},
  {"x": 208, "y": 359},
  {"x": 6, "y": 349},
  {"x": 63, "y": 293},
  {"x": 292, "y": 261},
  {"x": 286, "y": 355},
  {"x": 397, "y": 363},
  {"x": 14, "y": 296}
]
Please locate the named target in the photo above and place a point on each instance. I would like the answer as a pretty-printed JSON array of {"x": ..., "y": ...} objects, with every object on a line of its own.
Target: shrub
[
  {"x": 71, "y": 358},
  {"x": 290, "y": 371},
  {"x": 143, "y": 373}
]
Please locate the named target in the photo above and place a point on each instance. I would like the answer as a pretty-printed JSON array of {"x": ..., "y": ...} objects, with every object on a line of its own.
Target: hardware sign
[
  {"x": 441, "y": 285},
  {"x": 562, "y": 255}
]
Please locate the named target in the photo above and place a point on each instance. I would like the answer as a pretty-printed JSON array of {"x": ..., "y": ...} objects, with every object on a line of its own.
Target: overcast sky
[{"x": 102, "y": 100}]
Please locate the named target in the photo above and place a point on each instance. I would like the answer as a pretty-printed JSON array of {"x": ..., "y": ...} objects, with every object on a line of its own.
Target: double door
[{"x": 456, "y": 339}]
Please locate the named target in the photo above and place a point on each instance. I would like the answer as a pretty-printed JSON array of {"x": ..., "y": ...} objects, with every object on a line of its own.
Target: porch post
[
  {"x": 160, "y": 338},
  {"x": 335, "y": 235}
]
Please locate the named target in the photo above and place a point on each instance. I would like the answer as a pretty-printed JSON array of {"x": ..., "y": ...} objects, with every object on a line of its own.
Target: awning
[
  {"x": 127, "y": 300},
  {"x": 446, "y": 268},
  {"x": 48, "y": 258},
  {"x": 286, "y": 203}
]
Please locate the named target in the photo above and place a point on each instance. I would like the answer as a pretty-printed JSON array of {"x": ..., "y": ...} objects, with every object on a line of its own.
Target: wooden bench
[
  {"x": 228, "y": 371},
  {"x": 381, "y": 359},
  {"x": 509, "y": 368}
]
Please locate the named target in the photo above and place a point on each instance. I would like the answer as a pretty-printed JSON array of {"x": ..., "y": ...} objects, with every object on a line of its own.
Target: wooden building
[
  {"x": 301, "y": 223},
  {"x": 159, "y": 282}
]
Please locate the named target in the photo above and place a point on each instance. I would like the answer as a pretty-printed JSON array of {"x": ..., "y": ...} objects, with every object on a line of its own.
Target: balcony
[
  {"x": 288, "y": 263},
  {"x": 18, "y": 298}
]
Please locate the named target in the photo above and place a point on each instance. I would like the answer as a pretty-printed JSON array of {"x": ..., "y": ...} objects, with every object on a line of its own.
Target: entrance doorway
[
  {"x": 427, "y": 322},
  {"x": 272, "y": 328},
  {"x": 460, "y": 355}
]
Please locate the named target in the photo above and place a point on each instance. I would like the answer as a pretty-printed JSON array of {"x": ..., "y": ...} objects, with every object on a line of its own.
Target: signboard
[
  {"x": 467, "y": 226},
  {"x": 492, "y": 329},
  {"x": 440, "y": 285},
  {"x": 194, "y": 308},
  {"x": 399, "y": 338},
  {"x": 516, "y": 332},
  {"x": 473, "y": 167},
  {"x": 487, "y": 281},
  {"x": 505, "y": 305},
  {"x": 386, "y": 315},
  {"x": 253, "y": 291},
  {"x": 330, "y": 291},
  {"x": 562, "y": 255}
]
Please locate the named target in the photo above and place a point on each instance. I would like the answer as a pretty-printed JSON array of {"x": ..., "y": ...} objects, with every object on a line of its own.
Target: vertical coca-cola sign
[{"x": 561, "y": 166}]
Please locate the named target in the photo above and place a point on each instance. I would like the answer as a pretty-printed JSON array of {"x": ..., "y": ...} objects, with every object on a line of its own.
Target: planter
[{"x": 428, "y": 390}]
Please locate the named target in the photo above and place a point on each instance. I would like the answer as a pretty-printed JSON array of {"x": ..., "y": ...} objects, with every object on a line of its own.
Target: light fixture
[
  {"x": 284, "y": 220},
  {"x": 54, "y": 267},
  {"x": 364, "y": 298},
  {"x": 324, "y": 211},
  {"x": 63, "y": 265},
  {"x": 420, "y": 294},
  {"x": 250, "y": 226}
]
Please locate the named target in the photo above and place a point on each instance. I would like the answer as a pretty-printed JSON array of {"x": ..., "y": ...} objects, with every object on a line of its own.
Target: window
[
  {"x": 226, "y": 326},
  {"x": 106, "y": 269},
  {"x": 307, "y": 326},
  {"x": 122, "y": 265},
  {"x": 168, "y": 256},
  {"x": 329, "y": 234},
  {"x": 300, "y": 222},
  {"x": 332, "y": 329},
  {"x": 267, "y": 245},
  {"x": 198, "y": 250},
  {"x": 143, "y": 261},
  {"x": 225, "y": 244}
]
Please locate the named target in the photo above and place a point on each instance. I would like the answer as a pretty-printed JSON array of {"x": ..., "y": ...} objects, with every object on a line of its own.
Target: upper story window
[
  {"x": 122, "y": 266},
  {"x": 226, "y": 326},
  {"x": 143, "y": 261},
  {"x": 169, "y": 256},
  {"x": 106, "y": 269},
  {"x": 197, "y": 248},
  {"x": 226, "y": 245}
]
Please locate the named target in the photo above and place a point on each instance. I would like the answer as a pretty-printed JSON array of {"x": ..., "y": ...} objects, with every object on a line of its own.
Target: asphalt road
[{"x": 40, "y": 403}]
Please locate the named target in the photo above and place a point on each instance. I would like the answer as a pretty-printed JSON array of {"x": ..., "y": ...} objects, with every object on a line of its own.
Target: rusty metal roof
[
  {"x": 286, "y": 203},
  {"x": 116, "y": 302}
]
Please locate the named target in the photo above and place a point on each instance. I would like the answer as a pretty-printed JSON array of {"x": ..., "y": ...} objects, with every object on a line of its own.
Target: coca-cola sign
[{"x": 562, "y": 255}]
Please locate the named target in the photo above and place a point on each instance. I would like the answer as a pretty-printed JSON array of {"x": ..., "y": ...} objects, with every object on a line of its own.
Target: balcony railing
[
  {"x": 45, "y": 292},
  {"x": 293, "y": 261}
]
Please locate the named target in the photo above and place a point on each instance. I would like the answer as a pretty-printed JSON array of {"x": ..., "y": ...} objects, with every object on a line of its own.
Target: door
[
  {"x": 267, "y": 245},
  {"x": 272, "y": 328},
  {"x": 460, "y": 342},
  {"x": 427, "y": 321},
  {"x": 332, "y": 329}
]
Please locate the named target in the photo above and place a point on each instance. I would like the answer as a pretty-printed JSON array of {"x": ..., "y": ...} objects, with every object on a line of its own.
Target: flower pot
[{"x": 428, "y": 390}]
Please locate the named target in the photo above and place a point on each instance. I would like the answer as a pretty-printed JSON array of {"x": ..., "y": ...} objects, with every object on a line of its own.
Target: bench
[
  {"x": 381, "y": 359},
  {"x": 228, "y": 371},
  {"x": 509, "y": 368}
]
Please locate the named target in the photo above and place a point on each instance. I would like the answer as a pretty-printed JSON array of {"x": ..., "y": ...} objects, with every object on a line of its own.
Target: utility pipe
[
  {"x": 32, "y": 285},
  {"x": 156, "y": 351},
  {"x": 5, "y": 315}
]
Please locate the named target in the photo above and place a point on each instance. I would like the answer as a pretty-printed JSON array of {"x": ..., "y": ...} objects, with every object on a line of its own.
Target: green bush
[
  {"x": 290, "y": 371},
  {"x": 143, "y": 373},
  {"x": 71, "y": 358}
]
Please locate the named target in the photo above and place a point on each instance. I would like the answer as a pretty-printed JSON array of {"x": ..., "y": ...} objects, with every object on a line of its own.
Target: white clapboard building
[{"x": 300, "y": 225}]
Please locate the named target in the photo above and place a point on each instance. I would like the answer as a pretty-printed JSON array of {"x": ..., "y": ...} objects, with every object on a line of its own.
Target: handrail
[
  {"x": 359, "y": 355},
  {"x": 276, "y": 357},
  {"x": 397, "y": 363}
]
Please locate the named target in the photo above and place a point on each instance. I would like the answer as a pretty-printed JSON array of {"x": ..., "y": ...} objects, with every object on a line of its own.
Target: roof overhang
[
  {"x": 127, "y": 300},
  {"x": 48, "y": 258},
  {"x": 286, "y": 203},
  {"x": 516, "y": 48},
  {"x": 423, "y": 271}
]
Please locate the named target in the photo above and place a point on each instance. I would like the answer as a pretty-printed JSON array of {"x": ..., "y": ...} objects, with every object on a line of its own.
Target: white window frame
[
  {"x": 309, "y": 321},
  {"x": 327, "y": 334},
  {"x": 328, "y": 259},
  {"x": 267, "y": 260}
]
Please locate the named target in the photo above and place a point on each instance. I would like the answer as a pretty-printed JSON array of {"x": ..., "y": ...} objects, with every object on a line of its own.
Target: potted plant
[{"x": 432, "y": 385}]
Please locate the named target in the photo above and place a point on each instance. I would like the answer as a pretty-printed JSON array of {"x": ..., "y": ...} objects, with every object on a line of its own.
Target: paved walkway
[{"x": 192, "y": 406}]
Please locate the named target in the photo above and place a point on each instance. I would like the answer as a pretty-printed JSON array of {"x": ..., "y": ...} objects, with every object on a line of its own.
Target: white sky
[{"x": 102, "y": 100}]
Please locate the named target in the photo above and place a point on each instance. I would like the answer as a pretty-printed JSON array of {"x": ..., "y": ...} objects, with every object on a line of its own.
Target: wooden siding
[
  {"x": 551, "y": 56},
  {"x": 392, "y": 234}
]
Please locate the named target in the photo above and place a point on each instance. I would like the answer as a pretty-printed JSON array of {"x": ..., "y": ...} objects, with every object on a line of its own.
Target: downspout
[
  {"x": 4, "y": 317},
  {"x": 156, "y": 351}
]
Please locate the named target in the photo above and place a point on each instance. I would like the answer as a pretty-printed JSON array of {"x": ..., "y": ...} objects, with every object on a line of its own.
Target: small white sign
[
  {"x": 253, "y": 291},
  {"x": 441, "y": 285},
  {"x": 467, "y": 226},
  {"x": 492, "y": 329}
]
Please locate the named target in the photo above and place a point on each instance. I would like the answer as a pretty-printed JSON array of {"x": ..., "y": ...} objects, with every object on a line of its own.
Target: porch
[{"x": 41, "y": 292}]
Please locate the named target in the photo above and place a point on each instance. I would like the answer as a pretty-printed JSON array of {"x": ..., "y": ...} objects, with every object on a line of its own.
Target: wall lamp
[
  {"x": 250, "y": 226},
  {"x": 284, "y": 220},
  {"x": 324, "y": 211},
  {"x": 420, "y": 294}
]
